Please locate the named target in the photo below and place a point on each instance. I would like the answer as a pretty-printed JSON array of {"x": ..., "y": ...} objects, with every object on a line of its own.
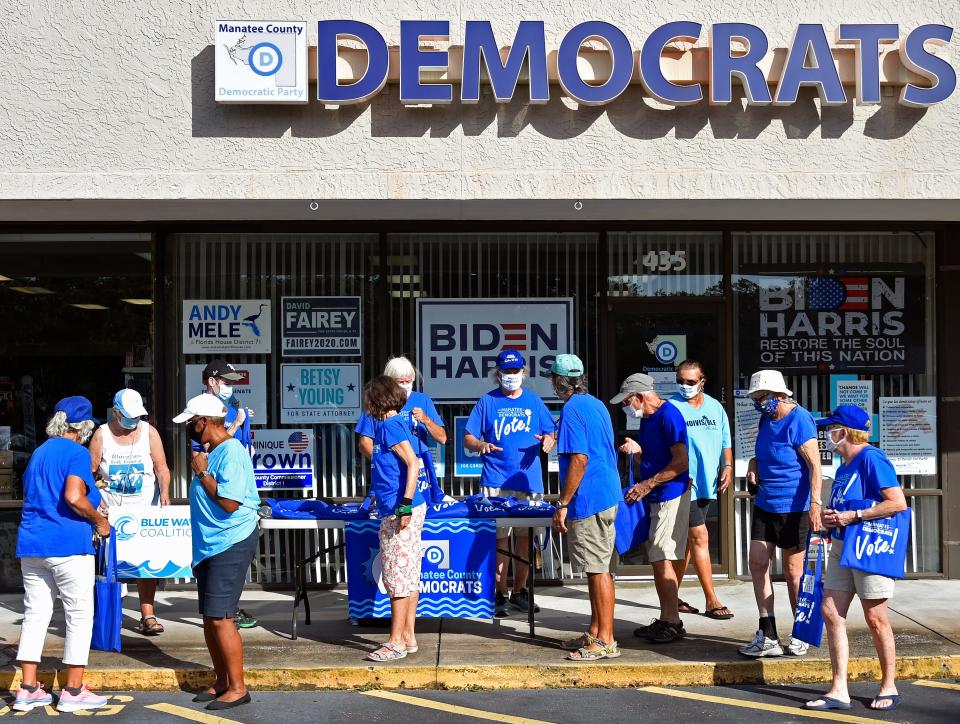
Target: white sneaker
[
  {"x": 761, "y": 646},
  {"x": 797, "y": 647}
]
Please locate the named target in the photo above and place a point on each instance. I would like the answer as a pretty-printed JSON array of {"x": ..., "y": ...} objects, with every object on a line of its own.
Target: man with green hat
[{"x": 588, "y": 501}]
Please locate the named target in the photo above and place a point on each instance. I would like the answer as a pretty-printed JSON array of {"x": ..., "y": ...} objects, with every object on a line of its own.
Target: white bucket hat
[{"x": 768, "y": 381}]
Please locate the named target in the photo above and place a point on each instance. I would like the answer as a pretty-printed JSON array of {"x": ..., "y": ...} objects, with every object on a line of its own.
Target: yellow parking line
[
  {"x": 451, "y": 708},
  {"x": 832, "y": 715},
  {"x": 184, "y": 713},
  {"x": 938, "y": 685}
]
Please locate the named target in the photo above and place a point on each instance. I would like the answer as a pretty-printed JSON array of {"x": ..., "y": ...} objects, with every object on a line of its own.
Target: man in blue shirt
[
  {"x": 508, "y": 427},
  {"x": 710, "y": 454},
  {"x": 587, "y": 508},
  {"x": 662, "y": 446}
]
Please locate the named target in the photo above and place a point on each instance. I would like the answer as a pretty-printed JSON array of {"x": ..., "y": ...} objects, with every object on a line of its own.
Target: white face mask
[
  {"x": 225, "y": 393},
  {"x": 407, "y": 387},
  {"x": 829, "y": 443},
  {"x": 688, "y": 392},
  {"x": 631, "y": 411},
  {"x": 511, "y": 383}
]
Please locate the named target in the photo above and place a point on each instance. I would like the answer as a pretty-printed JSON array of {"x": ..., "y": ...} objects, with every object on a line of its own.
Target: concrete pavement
[{"x": 456, "y": 653}]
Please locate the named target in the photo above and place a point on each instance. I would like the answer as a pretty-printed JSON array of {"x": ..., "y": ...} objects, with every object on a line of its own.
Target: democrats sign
[
  {"x": 250, "y": 391},
  {"x": 226, "y": 325},
  {"x": 260, "y": 61},
  {"x": 457, "y": 577},
  {"x": 283, "y": 459},
  {"x": 321, "y": 326},
  {"x": 320, "y": 393},
  {"x": 458, "y": 342},
  {"x": 152, "y": 542}
]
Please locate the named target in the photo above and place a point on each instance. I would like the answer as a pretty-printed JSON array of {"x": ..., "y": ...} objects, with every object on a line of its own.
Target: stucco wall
[{"x": 115, "y": 100}]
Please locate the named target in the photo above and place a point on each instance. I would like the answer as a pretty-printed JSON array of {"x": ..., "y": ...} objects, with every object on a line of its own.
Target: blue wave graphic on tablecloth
[
  {"x": 483, "y": 609},
  {"x": 145, "y": 570}
]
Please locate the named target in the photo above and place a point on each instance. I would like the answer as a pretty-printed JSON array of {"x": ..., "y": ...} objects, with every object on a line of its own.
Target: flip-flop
[
  {"x": 712, "y": 613},
  {"x": 894, "y": 700},
  {"x": 828, "y": 703},
  {"x": 684, "y": 607}
]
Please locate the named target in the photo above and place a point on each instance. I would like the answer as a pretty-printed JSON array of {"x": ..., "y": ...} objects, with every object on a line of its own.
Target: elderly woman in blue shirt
[{"x": 55, "y": 548}]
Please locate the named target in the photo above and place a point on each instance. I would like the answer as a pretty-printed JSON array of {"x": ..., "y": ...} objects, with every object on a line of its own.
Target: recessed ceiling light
[
  {"x": 141, "y": 302},
  {"x": 31, "y": 290},
  {"x": 5, "y": 279},
  {"x": 97, "y": 307}
]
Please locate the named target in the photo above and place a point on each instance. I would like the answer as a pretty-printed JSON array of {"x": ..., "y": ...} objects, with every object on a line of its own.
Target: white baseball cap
[
  {"x": 205, "y": 405},
  {"x": 768, "y": 381},
  {"x": 129, "y": 403}
]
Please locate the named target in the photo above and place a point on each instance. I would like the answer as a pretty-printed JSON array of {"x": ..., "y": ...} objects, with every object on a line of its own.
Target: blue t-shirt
[
  {"x": 784, "y": 479},
  {"x": 658, "y": 433},
  {"x": 585, "y": 429},
  {"x": 214, "y": 529},
  {"x": 511, "y": 423},
  {"x": 862, "y": 479},
  {"x": 421, "y": 439},
  {"x": 388, "y": 480},
  {"x": 49, "y": 526},
  {"x": 708, "y": 433}
]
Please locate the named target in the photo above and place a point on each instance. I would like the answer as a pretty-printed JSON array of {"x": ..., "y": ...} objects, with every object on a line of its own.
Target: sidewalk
[{"x": 456, "y": 653}]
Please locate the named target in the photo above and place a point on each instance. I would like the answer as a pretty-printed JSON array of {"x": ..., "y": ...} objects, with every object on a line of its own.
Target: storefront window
[
  {"x": 665, "y": 264},
  {"x": 78, "y": 320},
  {"x": 847, "y": 317}
]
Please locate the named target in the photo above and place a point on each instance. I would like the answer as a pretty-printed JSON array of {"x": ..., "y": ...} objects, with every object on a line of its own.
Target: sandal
[
  {"x": 684, "y": 607},
  {"x": 578, "y": 642},
  {"x": 150, "y": 629},
  {"x": 604, "y": 651},
  {"x": 828, "y": 703},
  {"x": 394, "y": 653},
  {"x": 720, "y": 613},
  {"x": 894, "y": 700}
]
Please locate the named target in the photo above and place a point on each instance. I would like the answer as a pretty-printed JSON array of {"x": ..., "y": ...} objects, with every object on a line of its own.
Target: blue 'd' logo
[
  {"x": 265, "y": 60},
  {"x": 121, "y": 525}
]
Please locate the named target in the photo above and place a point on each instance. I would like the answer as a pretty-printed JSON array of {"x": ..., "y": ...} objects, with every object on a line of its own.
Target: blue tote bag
[
  {"x": 633, "y": 522},
  {"x": 107, "y": 595},
  {"x": 808, "y": 620},
  {"x": 876, "y": 546}
]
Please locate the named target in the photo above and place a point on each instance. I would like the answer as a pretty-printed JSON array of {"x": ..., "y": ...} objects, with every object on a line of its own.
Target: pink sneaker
[
  {"x": 27, "y": 700},
  {"x": 86, "y": 699}
]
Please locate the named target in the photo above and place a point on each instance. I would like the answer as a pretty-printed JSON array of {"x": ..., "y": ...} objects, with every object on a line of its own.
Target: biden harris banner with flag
[
  {"x": 866, "y": 318},
  {"x": 457, "y": 578}
]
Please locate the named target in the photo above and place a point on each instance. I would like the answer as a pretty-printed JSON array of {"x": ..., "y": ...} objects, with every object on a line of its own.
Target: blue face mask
[
  {"x": 127, "y": 423},
  {"x": 768, "y": 407}
]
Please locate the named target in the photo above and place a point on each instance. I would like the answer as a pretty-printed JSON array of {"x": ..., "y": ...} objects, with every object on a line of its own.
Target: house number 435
[{"x": 665, "y": 261}]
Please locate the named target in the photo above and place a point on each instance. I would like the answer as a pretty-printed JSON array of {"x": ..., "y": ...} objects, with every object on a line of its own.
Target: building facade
[{"x": 806, "y": 235}]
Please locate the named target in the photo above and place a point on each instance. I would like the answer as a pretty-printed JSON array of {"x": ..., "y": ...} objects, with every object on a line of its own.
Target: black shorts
[
  {"x": 220, "y": 578},
  {"x": 699, "y": 510},
  {"x": 784, "y": 530}
]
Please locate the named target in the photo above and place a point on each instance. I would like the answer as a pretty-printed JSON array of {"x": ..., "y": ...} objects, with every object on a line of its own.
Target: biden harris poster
[
  {"x": 830, "y": 319},
  {"x": 457, "y": 577}
]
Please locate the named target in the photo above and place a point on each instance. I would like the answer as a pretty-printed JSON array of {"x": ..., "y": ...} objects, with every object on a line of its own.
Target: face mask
[
  {"x": 829, "y": 443},
  {"x": 407, "y": 387},
  {"x": 511, "y": 383},
  {"x": 632, "y": 412},
  {"x": 688, "y": 392},
  {"x": 225, "y": 393},
  {"x": 196, "y": 435},
  {"x": 768, "y": 407},
  {"x": 127, "y": 423}
]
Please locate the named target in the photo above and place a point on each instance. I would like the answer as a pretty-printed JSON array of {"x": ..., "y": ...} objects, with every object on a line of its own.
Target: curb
[{"x": 496, "y": 676}]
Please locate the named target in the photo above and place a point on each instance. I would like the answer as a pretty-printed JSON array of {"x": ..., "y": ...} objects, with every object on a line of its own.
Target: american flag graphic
[
  {"x": 514, "y": 336},
  {"x": 298, "y": 442},
  {"x": 842, "y": 293}
]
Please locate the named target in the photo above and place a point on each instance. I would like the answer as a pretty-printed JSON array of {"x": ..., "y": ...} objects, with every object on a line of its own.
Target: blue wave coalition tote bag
[
  {"x": 107, "y": 595},
  {"x": 808, "y": 621}
]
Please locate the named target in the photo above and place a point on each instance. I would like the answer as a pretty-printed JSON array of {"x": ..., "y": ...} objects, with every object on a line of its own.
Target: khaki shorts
[
  {"x": 522, "y": 496},
  {"x": 669, "y": 529},
  {"x": 869, "y": 586},
  {"x": 591, "y": 542}
]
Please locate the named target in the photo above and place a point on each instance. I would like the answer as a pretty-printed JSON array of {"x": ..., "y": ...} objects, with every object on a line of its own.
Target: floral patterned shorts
[{"x": 401, "y": 554}]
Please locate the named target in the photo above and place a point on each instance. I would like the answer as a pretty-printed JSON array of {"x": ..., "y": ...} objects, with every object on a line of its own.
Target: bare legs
[
  {"x": 698, "y": 550},
  {"x": 665, "y": 579},
  {"x": 226, "y": 651}
]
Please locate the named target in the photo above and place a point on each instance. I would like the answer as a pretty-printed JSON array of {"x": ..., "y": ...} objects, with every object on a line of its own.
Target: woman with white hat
[
  {"x": 786, "y": 476},
  {"x": 128, "y": 454}
]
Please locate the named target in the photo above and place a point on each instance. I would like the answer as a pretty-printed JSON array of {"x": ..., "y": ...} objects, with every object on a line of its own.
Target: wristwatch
[
  {"x": 203, "y": 473},
  {"x": 859, "y": 516},
  {"x": 561, "y": 506},
  {"x": 816, "y": 501}
]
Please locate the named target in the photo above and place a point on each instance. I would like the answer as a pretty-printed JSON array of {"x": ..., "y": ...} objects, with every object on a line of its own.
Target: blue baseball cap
[
  {"x": 510, "y": 359},
  {"x": 77, "y": 409},
  {"x": 567, "y": 365},
  {"x": 856, "y": 418}
]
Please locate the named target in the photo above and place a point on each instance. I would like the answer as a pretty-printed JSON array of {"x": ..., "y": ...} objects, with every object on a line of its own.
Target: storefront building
[{"x": 150, "y": 221}]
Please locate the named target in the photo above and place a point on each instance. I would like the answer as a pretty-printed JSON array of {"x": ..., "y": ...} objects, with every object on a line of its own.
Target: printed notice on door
[{"x": 908, "y": 434}]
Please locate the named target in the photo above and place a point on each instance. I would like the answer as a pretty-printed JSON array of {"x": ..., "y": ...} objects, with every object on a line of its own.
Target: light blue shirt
[
  {"x": 708, "y": 433},
  {"x": 214, "y": 529}
]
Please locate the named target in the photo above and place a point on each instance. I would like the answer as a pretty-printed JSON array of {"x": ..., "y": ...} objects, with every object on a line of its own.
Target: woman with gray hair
[{"x": 55, "y": 548}]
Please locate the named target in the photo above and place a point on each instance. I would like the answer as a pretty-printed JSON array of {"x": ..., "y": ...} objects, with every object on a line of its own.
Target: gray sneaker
[
  {"x": 761, "y": 646},
  {"x": 521, "y": 600},
  {"x": 796, "y": 648}
]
